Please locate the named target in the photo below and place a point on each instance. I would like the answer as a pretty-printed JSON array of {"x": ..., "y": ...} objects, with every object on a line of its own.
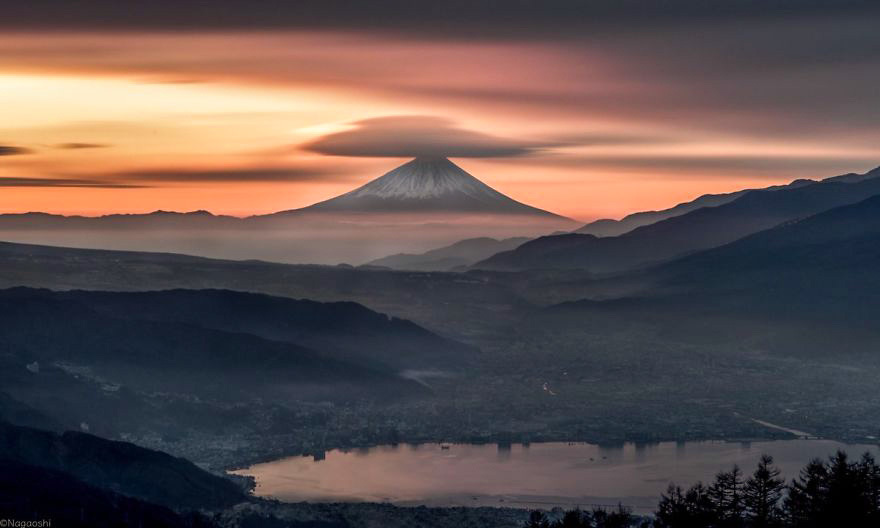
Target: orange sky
[{"x": 99, "y": 122}]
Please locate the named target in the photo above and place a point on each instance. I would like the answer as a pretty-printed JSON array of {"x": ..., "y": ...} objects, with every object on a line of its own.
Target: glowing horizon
[{"x": 98, "y": 122}]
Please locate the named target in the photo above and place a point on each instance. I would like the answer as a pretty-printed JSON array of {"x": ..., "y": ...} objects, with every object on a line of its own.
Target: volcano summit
[
  {"x": 427, "y": 185},
  {"x": 426, "y": 203}
]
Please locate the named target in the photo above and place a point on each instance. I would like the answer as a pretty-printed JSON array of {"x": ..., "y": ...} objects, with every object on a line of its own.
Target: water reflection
[
  {"x": 565, "y": 474},
  {"x": 680, "y": 449}
]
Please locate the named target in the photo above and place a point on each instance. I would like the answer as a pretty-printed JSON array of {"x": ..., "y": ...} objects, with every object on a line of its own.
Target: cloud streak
[
  {"x": 622, "y": 100},
  {"x": 414, "y": 136},
  {"x": 232, "y": 175},
  {"x": 79, "y": 146},
  {"x": 63, "y": 182},
  {"x": 714, "y": 167},
  {"x": 9, "y": 150}
]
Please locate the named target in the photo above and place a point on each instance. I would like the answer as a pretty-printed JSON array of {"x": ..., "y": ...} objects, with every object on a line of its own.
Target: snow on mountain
[
  {"x": 427, "y": 178},
  {"x": 426, "y": 185}
]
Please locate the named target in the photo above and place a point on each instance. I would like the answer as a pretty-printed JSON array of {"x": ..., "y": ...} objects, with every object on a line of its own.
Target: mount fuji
[
  {"x": 426, "y": 203},
  {"x": 427, "y": 185}
]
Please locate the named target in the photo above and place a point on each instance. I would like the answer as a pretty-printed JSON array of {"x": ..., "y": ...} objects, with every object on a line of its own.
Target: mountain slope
[
  {"x": 805, "y": 288},
  {"x": 348, "y": 330},
  {"x": 426, "y": 185},
  {"x": 424, "y": 298},
  {"x": 169, "y": 355},
  {"x": 31, "y": 492},
  {"x": 128, "y": 469},
  {"x": 607, "y": 227},
  {"x": 157, "y": 220},
  {"x": 462, "y": 253},
  {"x": 834, "y": 254},
  {"x": 428, "y": 202},
  {"x": 111, "y": 371},
  {"x": 700, "y": 229},
  {"x": 422, "y": 185}
]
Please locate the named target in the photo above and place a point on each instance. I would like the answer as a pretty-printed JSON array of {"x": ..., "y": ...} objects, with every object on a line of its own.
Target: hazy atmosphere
[
  {"x": 587, "y": 109},
  {"x": 471, "y": 264}
]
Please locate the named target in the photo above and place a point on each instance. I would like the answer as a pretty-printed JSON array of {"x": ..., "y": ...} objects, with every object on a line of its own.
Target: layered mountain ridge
[
  {"x": 700, "y": 229},
  {"x": 607, "y": 227}
]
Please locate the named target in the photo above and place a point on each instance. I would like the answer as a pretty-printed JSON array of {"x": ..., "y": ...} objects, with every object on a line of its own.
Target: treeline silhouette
[
  {"x": 836, "y": 492},
  {"x": 598, "y": 518}
]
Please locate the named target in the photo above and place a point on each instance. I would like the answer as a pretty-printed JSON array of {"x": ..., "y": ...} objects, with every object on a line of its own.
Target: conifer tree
[
  {"x": 726, "y": 496},
  {"x": 762, "y": 494}
]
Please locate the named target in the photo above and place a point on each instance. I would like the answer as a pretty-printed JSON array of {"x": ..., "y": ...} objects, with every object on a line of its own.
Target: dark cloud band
[
  {"x": 245, "y": 174},
  {"x": 79, "y": 146},
  {"x": 63, "y": 182},
  {"x": 150, "y": 178},
  {"x": 9, "y": 150},
  {"x": 452, "y": 18},
  {"x": 413, "y": 136}
]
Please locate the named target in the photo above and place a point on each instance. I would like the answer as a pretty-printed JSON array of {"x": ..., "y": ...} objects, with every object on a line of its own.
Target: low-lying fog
[{"x": 292, "y": 240}]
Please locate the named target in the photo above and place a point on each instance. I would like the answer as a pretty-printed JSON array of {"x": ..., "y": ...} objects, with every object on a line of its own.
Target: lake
[{"x": 535, "y": 475}]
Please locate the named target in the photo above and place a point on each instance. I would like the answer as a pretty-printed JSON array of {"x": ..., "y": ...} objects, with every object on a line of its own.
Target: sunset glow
[
  {"x": 141, "y": 120},
  {"x": 440, "y": 263}
]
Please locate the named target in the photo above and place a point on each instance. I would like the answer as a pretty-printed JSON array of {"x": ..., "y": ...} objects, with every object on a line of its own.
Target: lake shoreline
[
  {"x": 773, "y": 434},
  {"x": 534, "y": 475}
]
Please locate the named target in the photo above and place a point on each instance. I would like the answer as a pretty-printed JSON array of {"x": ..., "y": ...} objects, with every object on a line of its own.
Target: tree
[
  {"x": 621, "y": 518},
  {"x": 574, "y": 519},
  {"x": 852, "y": 494},
  {"x": 806, "y": 496},
  {"x": 835, "y": 493},
  {"x": 726, "y": 498},
  {"x": 871, "y": 482},
  {"x": 845, "y": 504},
  {"x": 537, "y": 519},
  {"x": 673, "y": 511},
  {"x": 679, "y": 509},
  {"x": 762, "y": 494},
  {"x": 825, "y": 494}
]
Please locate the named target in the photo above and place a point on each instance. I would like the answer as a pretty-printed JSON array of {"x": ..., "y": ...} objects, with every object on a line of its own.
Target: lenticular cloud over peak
[{"x": 417, "y": 136}]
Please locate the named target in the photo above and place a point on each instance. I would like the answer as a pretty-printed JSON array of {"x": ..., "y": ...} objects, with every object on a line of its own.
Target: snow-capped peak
[
  {"x": 426, "y": 178},
  {"x": 426, "y": 184}
]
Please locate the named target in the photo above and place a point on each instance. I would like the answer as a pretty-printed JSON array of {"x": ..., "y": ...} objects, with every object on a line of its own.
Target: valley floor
[{"x": 590, "y": 389}]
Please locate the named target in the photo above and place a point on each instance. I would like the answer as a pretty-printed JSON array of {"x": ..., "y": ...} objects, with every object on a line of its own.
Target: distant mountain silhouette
[
  {"x": 607, "y": 227},
  {"x": 423, "y": 185},
  {"x": 804, "y": 288},
  {"x": 462, "y": 253},
  {"x": 154, "y": 220},
  {"x": 348, "y": 330},
  {"x": 428, "y": 202},
  {"x": 426, "y": 185},
  {"x": 834, "y": 253},
  {"x": 699, "y": 229},
  {"x": 423, "y": 298},
  {"x": 174, "y": 354}
]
